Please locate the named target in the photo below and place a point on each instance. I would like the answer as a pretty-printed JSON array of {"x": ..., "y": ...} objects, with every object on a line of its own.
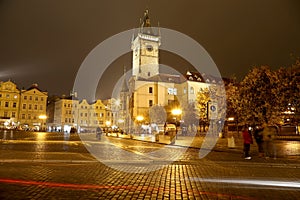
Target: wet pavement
[{"x": 62, "y": 166}]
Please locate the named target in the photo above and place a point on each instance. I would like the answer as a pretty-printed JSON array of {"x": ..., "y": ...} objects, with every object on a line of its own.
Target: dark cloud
[{"x": 46, "y": 41}]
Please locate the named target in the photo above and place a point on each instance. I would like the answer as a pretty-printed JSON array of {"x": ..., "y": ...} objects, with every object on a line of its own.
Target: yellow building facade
[
  {"x": 68, "y": 112},
  {"x": 9, "y": 104},
  {"x": 33, "y": 106},
  {"x": 22, "y": 108}
]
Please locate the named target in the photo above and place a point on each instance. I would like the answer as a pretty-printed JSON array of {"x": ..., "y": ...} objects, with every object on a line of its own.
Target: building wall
[
  {"x": 81, "y": 115},
  {"x": 9, "y": 102},
  {"x": 148, "y": 94},
  {"x": 33, "y": 105}
]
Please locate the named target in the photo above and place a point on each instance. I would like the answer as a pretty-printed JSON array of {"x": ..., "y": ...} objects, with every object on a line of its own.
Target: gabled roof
[
  {"x": 204, "y": 78},
  {"x": 34, "y": 86},
  {"x": 194, "y": 76}
]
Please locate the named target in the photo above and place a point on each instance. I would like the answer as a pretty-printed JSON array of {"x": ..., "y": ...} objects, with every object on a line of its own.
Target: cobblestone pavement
[{"x": 54, "y": 168}]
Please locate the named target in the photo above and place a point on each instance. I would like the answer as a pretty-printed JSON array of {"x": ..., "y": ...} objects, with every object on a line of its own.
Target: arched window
[{"x": 192, "y": 91}]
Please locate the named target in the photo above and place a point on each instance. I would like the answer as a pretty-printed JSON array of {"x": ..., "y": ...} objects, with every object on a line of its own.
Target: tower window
[
  {"x": 150, "y": 103},
  {"x": 148, "y": 73},
  {"x": 192, "y": 90},
  {"x": 150, "y": 90}
]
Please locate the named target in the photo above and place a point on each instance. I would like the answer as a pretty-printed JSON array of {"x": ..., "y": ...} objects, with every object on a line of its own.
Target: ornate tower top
[
  {"x": 146, "y": 19},
  {"x": 145, "y": 24},
  {"x": 145, "y": 47}
]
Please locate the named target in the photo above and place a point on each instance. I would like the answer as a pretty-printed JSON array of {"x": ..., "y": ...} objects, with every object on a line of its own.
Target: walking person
[
  {"x": 258, "y": 135},
  {"x": 269, "y": 133},
  {"x": 247, "y": 142},
  {"x": 98, "y": 133}
]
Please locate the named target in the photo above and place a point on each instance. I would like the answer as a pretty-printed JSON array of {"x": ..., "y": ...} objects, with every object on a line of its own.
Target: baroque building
[
  {"x": 9, "y": 104},
  {"x": 68, "y": 112},
  {"x": 22, "y": 108},
  {"x": 33, "y": 106}
]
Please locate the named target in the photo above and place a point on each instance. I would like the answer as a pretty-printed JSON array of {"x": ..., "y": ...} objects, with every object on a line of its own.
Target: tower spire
[{"x": 145, "y": 24}]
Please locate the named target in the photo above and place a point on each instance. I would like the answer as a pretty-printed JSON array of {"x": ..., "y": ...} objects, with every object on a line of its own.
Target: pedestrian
[
  {"x": 247, "y": 142},
  {"x": 258, "y": 135},
  {"x": 98, "y": 133},
  {"x": 269, "y": 133}
]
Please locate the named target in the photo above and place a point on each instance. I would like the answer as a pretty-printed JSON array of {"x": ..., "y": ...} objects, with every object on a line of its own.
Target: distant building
[
  {"x": 33, "y": 106},
  {"x": 67, "y": 112},
  {"x": 22, "y": 108},
  {"x": 9, "y": 104}
]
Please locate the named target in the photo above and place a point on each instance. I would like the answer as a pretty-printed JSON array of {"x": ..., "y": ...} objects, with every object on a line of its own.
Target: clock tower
[{"x": 145, "y": 50}]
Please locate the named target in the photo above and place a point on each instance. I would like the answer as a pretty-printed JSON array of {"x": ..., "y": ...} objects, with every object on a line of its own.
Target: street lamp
[
  {"x": 176, "y": 112},
  {"x": 107, "y": 124},
  {"x": 140, "y": 119},
  {"x": 42, "y": 117}
]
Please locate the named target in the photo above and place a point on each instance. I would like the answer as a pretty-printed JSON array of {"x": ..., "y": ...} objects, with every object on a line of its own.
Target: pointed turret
[{"x": 145, "y": 24}]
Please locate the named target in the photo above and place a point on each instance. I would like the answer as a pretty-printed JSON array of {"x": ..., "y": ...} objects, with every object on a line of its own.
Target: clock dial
[{"x": 149, "y": 48}]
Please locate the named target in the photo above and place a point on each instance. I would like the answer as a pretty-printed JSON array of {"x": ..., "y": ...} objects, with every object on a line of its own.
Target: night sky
[{"x": 45, "y": 41}]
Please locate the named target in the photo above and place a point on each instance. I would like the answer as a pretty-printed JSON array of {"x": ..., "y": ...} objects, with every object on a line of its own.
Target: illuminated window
[
  {"x": 172, "y": 91},
  {"x": 192, "y": 90}
]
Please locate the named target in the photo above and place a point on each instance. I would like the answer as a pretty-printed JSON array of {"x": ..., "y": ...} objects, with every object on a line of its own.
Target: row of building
[
  {"x": 146, "y": 88},
  {"x": 20, "y": 107},
  {"x": 32, "y": 109}
]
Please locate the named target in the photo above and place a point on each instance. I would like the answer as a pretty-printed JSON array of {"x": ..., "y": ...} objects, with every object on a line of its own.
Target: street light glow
[
  {"x": 140, "y": 118},
  {"x": 176, "y": 111},
  {"x": 42, "y": 117},
  {"x": 108, "y": 123},
  {"x": 230, "y": 118}
]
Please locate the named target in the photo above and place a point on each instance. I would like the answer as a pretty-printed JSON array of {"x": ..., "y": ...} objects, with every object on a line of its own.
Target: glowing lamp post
[
  {"x": 139, "y": 119},
  {"x": 42, "y": 118},
  {"x": 176, "y": 112}
]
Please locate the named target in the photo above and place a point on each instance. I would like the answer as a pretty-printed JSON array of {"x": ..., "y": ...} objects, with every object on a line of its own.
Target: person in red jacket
[{"x": 247, "y": 142}]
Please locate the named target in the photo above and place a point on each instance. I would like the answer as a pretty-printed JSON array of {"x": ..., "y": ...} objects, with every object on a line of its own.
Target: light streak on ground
[
  {"x": 117, "y": 187},
  {"x": 290, "y": 184}
]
